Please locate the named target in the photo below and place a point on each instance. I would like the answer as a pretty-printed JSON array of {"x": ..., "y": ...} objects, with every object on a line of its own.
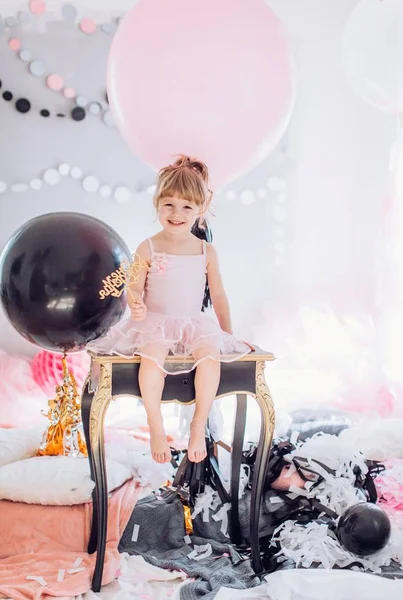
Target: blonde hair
[{"x": 187, "y": 178}]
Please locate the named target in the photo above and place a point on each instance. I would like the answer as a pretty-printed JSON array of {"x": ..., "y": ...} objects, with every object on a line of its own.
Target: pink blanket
[{"x": 49, "y": 541}]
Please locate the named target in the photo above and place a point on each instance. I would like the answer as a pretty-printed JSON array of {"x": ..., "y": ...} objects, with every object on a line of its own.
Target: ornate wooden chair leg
[
  {"x": 86, "y": 400},
  {"x": 99, "y": 406},
  {"x": 236, "y": 459},
  {"x": 266, "y": 405}
]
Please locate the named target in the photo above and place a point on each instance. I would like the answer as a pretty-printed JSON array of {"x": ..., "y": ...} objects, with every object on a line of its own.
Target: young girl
[{"x": 166, "y": 307}]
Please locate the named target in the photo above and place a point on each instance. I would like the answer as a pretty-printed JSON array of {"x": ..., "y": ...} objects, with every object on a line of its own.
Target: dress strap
[
  {"x": 205, "y": 251},
  {"x": 151, "y": 245}
]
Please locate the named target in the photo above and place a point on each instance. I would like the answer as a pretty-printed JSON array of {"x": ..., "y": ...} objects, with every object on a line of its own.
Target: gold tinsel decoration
[
  {"x": 188, "y": 519},
  {"x": 64, "y": 435}
]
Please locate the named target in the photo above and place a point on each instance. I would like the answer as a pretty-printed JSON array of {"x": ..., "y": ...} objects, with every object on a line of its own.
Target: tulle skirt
[{"x": 160, "y": 335}]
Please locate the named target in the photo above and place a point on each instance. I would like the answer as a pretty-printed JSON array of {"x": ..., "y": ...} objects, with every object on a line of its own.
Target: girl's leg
[
  {"x": 207, "y": 379},
  {"x": 151, "y": 382}
]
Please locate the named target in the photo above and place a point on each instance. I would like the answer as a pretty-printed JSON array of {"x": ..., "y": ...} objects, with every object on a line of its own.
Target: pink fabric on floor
[
  {"x": 390, "y": 486},
  {"x": 41, "y": 540}
]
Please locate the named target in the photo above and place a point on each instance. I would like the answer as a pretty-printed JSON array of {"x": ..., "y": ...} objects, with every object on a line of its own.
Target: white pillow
[
  {"x": 55, "y": 480},
  {"x": 19, "y": 444}
]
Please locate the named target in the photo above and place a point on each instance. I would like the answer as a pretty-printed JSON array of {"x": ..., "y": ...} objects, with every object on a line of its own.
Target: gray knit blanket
[{"x": 156, "y": 531}]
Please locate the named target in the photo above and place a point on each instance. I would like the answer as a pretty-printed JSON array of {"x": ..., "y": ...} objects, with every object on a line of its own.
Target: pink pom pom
[
  {"x": 16, "y": 371},
  {"x": 48, "y": 371},
  {"x": 21, "y": 399}
]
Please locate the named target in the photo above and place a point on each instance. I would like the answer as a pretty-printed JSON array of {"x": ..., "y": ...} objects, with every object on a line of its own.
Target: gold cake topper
[{"x": 121, "y": 279}]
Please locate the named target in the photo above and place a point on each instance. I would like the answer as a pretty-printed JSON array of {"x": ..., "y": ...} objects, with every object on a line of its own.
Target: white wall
[
  {"x": 340, "y": 147},
  {"x": 334, "y": 158}
]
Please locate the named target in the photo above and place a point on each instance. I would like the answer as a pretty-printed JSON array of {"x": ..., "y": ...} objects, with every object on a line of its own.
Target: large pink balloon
[{"x": 208, "y": 78}]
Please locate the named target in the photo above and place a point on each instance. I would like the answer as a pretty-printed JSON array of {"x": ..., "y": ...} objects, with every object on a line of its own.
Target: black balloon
[
  {"x": 364, "y": 529},
  {"x": 51, "y": 271}
]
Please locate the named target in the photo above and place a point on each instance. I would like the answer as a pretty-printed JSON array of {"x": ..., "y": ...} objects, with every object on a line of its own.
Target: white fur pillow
[
  {"x": 55, "y": 480},
  {"x": 18, "y": 444}
]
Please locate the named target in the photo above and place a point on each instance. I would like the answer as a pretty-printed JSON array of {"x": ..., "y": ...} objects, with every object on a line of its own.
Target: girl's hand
[
  {"x": 138, "y": 310},
  {"x": 253, "y": 348}
]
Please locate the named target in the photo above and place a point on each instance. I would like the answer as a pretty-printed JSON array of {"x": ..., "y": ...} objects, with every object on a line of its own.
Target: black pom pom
[
  {"x": 78, "y": 113},
  {"x": 23, "y": 105}
]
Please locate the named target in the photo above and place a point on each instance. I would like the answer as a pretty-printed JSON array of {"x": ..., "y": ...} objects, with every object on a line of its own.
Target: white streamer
[
  {"x": 209, "y": 500},
  {"x": 40, "y": 580},
  {"x": 222, "y": 515},
  {"x": 201, "y": 552}
]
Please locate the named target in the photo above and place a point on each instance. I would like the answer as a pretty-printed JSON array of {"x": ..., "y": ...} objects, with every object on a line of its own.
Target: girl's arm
[
  {"x": 136, "y": 290},
  {"x": 218, "y": 296}
]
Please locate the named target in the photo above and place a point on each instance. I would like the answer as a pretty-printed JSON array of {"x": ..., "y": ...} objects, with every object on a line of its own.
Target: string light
[
  {"x": 54, "y": 81},
  {"x": 90, "y": 183}
]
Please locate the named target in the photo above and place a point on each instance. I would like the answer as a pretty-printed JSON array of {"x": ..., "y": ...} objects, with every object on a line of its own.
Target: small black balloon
[
  {"x": 364, "y": 529},
  {"x": 45, "y": 112},
  {"x": 51, "y": 271},
  {"x": 23, "y": 105},
  {"x": 7, "y": 96}
]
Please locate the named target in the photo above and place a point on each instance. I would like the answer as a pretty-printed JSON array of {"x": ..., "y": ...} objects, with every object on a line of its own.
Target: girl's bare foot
[
  {"x": 197, "y": 443},
  {"x": 160, "y": 449}
]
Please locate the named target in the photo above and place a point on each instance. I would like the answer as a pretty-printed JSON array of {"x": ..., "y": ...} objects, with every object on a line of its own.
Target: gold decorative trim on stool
[
  {"x": 266, "y": 405},
  {"x": 264, "y": 399},
  {"x": 100, "y": 403}
]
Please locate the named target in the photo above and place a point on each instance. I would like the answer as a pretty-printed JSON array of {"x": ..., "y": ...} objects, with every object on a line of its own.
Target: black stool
[{"x": 112, "y": 376}]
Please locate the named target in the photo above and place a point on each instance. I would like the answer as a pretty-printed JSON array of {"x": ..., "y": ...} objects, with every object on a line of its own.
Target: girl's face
[{"x": 176, "y": 215}]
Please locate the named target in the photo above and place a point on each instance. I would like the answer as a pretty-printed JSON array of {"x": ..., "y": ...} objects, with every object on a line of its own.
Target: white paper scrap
[
  {"x": 60, "y": 575},
  {"x": 73, "y": 571},
  {"x": 299, "y": 491},
  {"x": 201, "y": 552},
  {"x": 294, "y": 437},
  {"x": 40, "y": 580},
  {"x": 275, "y": 500},
  {"x": 222, "y": 515},
  {"x": 77, "y": 562},
  {"x": 135, "y": 533}
]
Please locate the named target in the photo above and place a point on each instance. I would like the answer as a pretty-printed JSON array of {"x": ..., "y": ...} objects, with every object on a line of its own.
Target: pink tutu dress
[{"x": 173, "y": 294}]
